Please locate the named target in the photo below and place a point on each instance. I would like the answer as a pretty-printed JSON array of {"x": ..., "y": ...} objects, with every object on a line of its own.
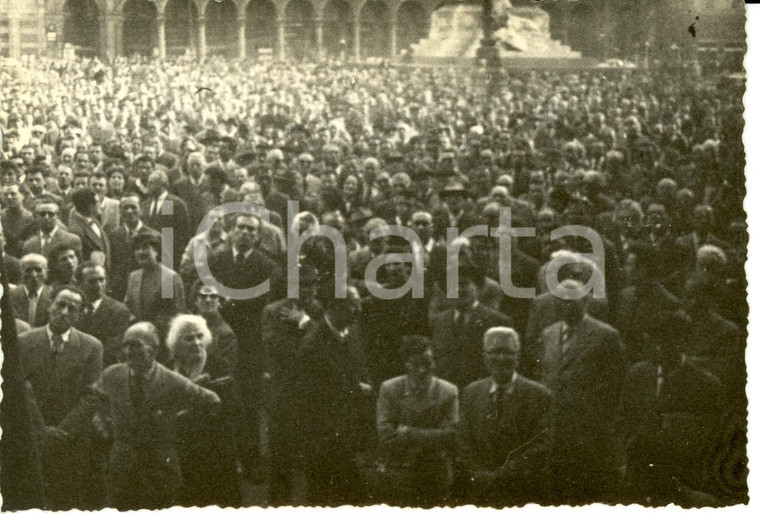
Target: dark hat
[
  {"x": 115, "y": 151},
  {"x": 147, "y": 238},
  {"x": 246, "y": 158},
  {"x": 216, "y": 173},
  {"x": 454, "y": 187},
  {"x": 360, "y": 215},
  {"x": 209, "y": 137},
  {"x": 285, "y": 175},
  {"x": 72, "y": 121}
]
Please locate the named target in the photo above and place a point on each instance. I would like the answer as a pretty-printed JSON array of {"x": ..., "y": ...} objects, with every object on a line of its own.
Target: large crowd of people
[{"x": 151, "y": 385}]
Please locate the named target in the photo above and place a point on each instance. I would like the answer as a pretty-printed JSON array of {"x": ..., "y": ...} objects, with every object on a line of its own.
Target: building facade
[{"x": 308, "y": 29}]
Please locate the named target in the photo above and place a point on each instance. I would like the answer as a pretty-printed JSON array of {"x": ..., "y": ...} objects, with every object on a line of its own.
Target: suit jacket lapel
[
  {"x": 579, "y": 344},
  {"x": 70, "y": 354}
]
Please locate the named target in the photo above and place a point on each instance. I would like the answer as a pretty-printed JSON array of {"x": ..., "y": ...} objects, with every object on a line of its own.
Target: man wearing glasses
[
  {"x": 503, "y": 428},
  {"x": 50, "y": 231}
]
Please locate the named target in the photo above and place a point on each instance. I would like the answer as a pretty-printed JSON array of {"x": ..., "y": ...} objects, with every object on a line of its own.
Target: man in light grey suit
[
  {"x": 60, "y": 363},
  {"x": 143, "y": 399}
]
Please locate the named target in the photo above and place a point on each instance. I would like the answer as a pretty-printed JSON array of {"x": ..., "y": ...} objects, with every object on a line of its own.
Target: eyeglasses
[
  {"x": 47, "y": 214},
  {"x": 208, "y": 296}
]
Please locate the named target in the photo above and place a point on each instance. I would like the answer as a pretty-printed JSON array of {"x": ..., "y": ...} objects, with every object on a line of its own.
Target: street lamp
[{"x": 489, "y": 52}]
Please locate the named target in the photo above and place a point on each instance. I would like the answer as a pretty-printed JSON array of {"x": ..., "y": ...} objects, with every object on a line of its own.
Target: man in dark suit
[
  {"x": 714, "y": 342},
  {"x": 687, "y": 245},
  {"x": 142, "y": 399},
  {"x": 242, "y": 266},
  {"x": 504, "y": 429},
  {"x": 50, "y": 231},
  {"x": 283, "y": 325},
  {"x": 120, "y": 240},
  {"x": 458, "y": 333},
  {"x": 333, "y": 402},
  {"x": 17, "y": 221},
  {"x": 385, "y": 322},
  {"x": 190, "y": 187},
  {"x": 165, "y": 210},
  {"x": 31, "y": 299},
  {"x": 583, "y": 364},
  {"x": 60, "y": 363},
  {"x": 84, "y": 223},
  {"x": 102, "y": 317},
  {"x": 669, "y": 409}
]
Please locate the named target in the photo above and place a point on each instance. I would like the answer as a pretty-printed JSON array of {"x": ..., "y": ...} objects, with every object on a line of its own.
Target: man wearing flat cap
[{"x": 503, "y": 432}]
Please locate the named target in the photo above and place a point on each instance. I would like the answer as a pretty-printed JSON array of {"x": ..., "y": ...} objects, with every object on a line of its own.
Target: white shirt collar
[
  {"x": 96, "y": 304},
  {"x": 236, "y": 252},
  {"x": 510, "y": 386},
  {"x": 342, "y": 333},
  {"x": 65, "y": 336},
  {"x": 39, "y": 291},
  {"x": 51, "y": 234}
]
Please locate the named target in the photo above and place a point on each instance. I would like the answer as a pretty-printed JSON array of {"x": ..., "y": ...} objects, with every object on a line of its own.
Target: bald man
[
  {"x": 142, "y": 399},
  {"x": 503, "y": 429}
]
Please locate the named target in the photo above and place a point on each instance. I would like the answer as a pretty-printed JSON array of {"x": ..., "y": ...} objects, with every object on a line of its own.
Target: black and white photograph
[{"x": 411, "y": 253}]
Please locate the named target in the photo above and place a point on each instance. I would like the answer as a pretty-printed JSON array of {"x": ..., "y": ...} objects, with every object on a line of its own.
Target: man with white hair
[
  {"x": 142, "y": 398},
  {"x": 503, "y": 430},
  {"x": 187, "y": 341},
  {"x": 31, "y": 299}
]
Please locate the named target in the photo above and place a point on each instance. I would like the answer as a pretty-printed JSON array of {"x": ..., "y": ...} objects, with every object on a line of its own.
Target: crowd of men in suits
[{"x": 150, "y": 386}]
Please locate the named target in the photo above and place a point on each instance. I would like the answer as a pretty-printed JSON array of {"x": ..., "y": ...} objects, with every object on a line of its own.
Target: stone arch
[
  {"x": 338, "y": 28},
  {"x": 261, "y": 26},
  {"x": 413, "y": 23},
  {"x": 300, "y": 30},
  {"x": 139, "y": 32},
  {"x": 181, "y": 26},
  {"x": 81, "y": 25},
  {"x": 221, "y": 28},
  {"x": 375, "y": 28}
]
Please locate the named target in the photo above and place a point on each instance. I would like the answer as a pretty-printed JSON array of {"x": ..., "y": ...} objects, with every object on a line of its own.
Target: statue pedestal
[{"x": 456, "y": 32}]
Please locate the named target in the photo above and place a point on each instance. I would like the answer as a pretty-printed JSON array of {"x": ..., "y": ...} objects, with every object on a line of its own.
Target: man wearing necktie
[
  {"x": 84, "y": 223},
  {"x": 32, "y": 298},
  {"x": 60, "y": 364},
  {"x": 333, "y": 402},
  {"x": 143, "y": 399},
  {"x": 504, "y": 430},
  {"x": 582, "y": 362},
  {"x": 458, "y": 332},
  {"x": 669, "y": 410},
  {"x": 121, "y": 238}
]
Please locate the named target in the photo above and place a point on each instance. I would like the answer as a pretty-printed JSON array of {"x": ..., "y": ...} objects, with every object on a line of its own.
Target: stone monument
[{"x": 456, "y": 31}]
